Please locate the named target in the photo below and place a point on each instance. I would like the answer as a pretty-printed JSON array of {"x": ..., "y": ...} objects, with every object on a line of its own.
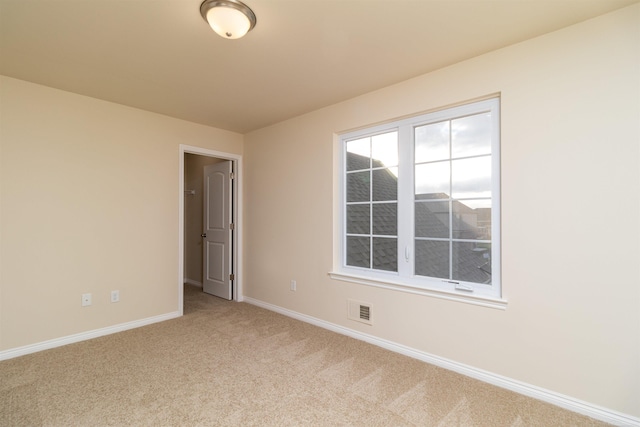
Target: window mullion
[
  {"x": 405, "y": 201},
  {"x": 371, "y": 204},
  {"x": 450, "y": 204},
  {"x": 495, "y": 197}
]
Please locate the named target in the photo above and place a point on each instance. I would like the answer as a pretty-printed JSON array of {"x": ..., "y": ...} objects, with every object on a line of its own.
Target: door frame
[{"x": 236, "y": 160}]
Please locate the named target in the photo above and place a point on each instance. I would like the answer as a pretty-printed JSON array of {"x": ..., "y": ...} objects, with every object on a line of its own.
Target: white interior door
[{"x": 216, "y": 235}]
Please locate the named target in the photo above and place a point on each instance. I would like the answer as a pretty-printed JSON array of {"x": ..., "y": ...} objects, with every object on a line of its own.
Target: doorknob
[{"x": 203, "y": 235}]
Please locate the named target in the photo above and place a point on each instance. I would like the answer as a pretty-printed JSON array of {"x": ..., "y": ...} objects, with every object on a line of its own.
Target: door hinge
[
  {"x": 232, "y": 226},
  {"x": 232, "y": 175},
  {"x": 232, "y": 277}
]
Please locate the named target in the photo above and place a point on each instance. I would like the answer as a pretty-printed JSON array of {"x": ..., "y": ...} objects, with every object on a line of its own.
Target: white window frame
[{"x": 404, "y": 279}]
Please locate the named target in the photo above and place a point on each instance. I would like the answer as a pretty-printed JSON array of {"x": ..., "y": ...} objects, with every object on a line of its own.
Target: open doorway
[{"x": 207, "y": 191}]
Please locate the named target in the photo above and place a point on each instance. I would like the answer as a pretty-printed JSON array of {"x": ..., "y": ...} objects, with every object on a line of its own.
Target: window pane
[
  {"x": 358, "y": 251},
  {"x": 358, "y": 219},
  {"x": 471, "y": 178},
  {"x": 472, "y": 262},
  {"x": 432, "y": 142},
  {"x": 472, "y": 219},
  {"x": 358, "y": 187},
  {"x": 385, "y": 254},
  {"x": 432, "y": 258},
  {"x": 385, "y": 149},
  {"x": 432, "y": 181},
  {"x": 358, "y": 154},
  {"x": 471, "y": 136},
  {"x": 385, "y": 184},
  {"x": 385, "y": 219},
  {"x": 432, "y": 219}
]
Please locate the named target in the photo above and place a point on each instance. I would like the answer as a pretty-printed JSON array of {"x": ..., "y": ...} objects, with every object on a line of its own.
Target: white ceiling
[{"x": 161, "y": 56}]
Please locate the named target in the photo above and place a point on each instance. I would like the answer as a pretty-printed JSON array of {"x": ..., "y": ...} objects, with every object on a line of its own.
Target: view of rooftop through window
[
  {"x": 453, "y": 199},
  {"x": 372, "y": 193}
]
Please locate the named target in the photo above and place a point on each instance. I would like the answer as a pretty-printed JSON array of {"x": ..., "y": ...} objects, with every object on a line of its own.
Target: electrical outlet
[
  {"x": 293, "y": 285},
  {"x": 115, "y": 296},
  {"x": 86, "y": 300}
]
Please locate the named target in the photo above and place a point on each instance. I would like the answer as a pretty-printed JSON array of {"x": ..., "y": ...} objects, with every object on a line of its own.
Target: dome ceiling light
[{"x": 231, "y": 19}]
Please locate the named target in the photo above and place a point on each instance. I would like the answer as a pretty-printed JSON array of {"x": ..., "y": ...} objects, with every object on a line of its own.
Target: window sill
[{"x": 483, "y": 301}]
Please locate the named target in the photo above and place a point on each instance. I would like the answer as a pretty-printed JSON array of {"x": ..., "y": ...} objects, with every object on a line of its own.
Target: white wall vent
[{"x": 360, "y": 312}]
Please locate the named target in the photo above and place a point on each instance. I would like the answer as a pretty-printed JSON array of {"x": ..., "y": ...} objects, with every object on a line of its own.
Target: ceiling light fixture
[{"x": 231, "y": 19}]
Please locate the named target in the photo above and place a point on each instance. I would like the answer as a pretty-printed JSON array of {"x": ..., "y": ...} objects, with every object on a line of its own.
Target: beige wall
[
  {"x": 89, "y": 203},
  {"x": 570, "y": 207},
  {"x": 193, "y": 180}
]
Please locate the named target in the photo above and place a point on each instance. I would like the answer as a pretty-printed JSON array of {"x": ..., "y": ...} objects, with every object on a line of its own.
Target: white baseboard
[
  {"x": 192, "y": 282},
  {"x": 557, "y": 399},
  {"x": 83, "y": 336}
]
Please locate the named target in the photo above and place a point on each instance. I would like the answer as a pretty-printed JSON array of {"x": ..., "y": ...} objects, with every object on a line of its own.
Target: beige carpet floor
[{"x": 233, "y": 364}]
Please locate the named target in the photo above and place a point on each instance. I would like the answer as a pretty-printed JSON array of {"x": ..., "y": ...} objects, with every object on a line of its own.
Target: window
[{"x": 420, "y": 202}]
